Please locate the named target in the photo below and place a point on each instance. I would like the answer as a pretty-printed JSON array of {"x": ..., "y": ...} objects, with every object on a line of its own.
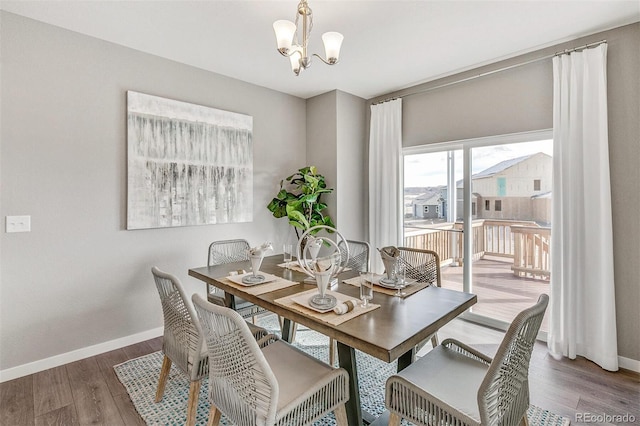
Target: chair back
[
  {"x": 358, "y": 255},
  {"x": 183, "y": 339},
  {"x": 421, "y": 265},
  {"x": 241, "y": 383},
  {"x": 503, "y": 397},
  {"x": 228, "y": 251}
]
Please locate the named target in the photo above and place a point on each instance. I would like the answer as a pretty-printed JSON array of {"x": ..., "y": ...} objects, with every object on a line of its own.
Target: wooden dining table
[{"x": 390, "y": 332}]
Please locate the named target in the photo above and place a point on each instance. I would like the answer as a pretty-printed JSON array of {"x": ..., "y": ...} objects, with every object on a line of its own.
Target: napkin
[
  {"x": 261, "y": 250},
  {"x": 238, "y": 272},
  {"x": 345, "y": 307}
]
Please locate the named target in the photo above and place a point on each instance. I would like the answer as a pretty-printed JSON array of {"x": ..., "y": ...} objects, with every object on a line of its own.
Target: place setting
[
  {"x": 329, "y": 306},
  {"x": 256, "y": 282},
  {"x": 394, "y": 282}
]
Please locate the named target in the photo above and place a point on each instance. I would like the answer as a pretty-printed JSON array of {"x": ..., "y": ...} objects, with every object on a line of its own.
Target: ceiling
[{"x": 389, "y": 45}]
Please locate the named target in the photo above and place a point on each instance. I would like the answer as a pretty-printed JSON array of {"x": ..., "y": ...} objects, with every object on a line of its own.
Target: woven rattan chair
[
  {"x": 424, "y": 266},
  {"x": 276, "y": 385},
  {"x": 183, "y": 343},
  {"x": 359, "y": 252},
  {"x": 229, "y": 251},
  {"x": 457, "y": 385}
]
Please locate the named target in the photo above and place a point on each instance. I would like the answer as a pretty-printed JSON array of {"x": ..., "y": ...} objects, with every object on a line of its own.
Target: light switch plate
[{"x": 18, "y": 224}]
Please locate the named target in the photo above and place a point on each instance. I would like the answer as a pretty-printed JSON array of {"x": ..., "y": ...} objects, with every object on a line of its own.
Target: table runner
[
  {"x": 259, "y": 289},
  {"x": 328, "y": 317},
  {"x": 409, "y": 290}
]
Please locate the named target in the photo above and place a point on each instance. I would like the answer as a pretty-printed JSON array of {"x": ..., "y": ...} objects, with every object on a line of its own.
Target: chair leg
[
  {"x": 214, "y": 416},
  {"x": 332, "y": 352},
  {"x": 164, "y": 373},
  {"x": 341, "y": 415},
  {"x": 525, "y": 420},
  {"x": 394, "y": 419},
  {"x": 192, "y": 404}
]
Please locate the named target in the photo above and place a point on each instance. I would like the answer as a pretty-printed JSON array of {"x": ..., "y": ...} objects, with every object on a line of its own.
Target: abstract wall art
[{"x": 187, "y": 164}]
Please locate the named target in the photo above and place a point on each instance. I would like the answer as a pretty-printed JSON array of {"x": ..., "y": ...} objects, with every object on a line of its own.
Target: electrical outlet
[{"x": 18, "y": 224}]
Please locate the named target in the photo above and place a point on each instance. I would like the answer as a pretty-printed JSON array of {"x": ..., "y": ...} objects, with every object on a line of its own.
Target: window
[
  {"x": 502, "y": 186},
  {"x": 425, "y": 209},
  {"x": 536, "y": 184},
  {"x": 471, "y": 178}
]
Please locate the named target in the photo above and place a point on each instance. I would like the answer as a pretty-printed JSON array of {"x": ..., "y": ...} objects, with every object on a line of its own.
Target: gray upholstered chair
[
  {"x": 229, "y": 251},
  {"x": 457, "y": 385},
  {"x": 276, "y": 385},
  {"x": 183, "y": 342}
]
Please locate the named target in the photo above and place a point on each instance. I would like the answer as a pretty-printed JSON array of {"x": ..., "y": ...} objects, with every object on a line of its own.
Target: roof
[
  {"x": 428, "y": 199},
  {"x": 501, "y": 166}
]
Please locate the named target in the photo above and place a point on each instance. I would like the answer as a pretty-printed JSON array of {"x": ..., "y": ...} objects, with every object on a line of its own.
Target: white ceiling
[{"x": 389, "y": 45}]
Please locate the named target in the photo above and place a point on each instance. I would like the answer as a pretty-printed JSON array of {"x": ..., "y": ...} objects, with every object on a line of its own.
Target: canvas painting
[{"x": 187, "y": 164}]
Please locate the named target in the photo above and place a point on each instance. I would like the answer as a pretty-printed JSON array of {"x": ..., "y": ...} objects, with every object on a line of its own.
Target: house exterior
[
  {"x": 513, "y": 189},
  {"x": 429, "y": 207}
]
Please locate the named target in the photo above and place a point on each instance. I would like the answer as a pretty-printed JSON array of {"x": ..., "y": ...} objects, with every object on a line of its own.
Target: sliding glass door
[{"x": 485, "y": 207}]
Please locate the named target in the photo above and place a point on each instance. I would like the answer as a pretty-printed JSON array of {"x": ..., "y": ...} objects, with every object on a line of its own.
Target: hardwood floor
[
  {"x": 88, "y": 392},
  {"x": 80, "y": 393}
]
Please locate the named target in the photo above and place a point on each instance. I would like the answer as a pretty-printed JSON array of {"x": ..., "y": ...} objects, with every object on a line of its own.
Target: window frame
[{"x": 466, "y": 145}]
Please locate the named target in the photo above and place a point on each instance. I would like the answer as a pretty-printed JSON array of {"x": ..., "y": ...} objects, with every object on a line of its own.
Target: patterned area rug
[{"x": 140, "y": 378}]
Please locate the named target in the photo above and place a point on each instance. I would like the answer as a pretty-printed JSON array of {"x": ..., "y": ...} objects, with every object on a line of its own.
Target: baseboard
[
  {"x": 58, "y": 360},
  {"x": 629, "y": 364},
  {"x": 78, "y": 354}
]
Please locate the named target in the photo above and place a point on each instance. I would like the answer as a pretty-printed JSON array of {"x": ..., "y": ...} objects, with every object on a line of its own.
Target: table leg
[
  {"x": 229, "y": 300},
  {"x": 347, "y": 360},
  {"x": 406, "y": 359},
  {"x": 287, "y": 330}
]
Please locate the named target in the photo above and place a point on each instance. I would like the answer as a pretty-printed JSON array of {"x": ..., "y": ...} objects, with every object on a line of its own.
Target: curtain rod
[{"x": 484, "y": 74}]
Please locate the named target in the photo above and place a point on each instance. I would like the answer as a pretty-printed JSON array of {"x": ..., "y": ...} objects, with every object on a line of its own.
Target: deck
[{"x": 501, "y": 294}]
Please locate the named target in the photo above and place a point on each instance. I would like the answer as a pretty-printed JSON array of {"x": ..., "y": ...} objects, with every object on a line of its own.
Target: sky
[{"x": 424, "y": 170}]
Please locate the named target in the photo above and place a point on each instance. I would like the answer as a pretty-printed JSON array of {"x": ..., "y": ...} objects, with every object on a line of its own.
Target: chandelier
[{"x": 289, "y": 46}]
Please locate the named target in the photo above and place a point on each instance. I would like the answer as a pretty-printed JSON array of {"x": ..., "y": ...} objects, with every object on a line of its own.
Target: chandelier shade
[
  {"x": 288, "y": 36},
  {"x": 332, "y": 43},
  {"x": 284, "y": 34}
]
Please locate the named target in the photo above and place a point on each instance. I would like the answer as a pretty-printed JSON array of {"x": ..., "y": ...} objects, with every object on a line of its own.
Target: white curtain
[
  {"x": 583, "y": 316},
  {"x": 385, "y": 196}
]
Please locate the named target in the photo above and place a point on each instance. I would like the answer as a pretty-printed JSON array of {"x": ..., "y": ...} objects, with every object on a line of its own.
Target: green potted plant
[{"x": 299, "y": 200}]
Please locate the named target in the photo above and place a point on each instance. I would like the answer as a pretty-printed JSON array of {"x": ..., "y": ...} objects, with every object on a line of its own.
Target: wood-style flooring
[{"x": 87, "y": 392}]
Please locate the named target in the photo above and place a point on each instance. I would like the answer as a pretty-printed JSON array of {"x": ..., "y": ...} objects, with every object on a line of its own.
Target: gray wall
[
  {"x": 351, "y": 165},
  {"x": 336, "y": 145},
  {"x": 78, "y": 278},
  {"x": 321, "y": 144},
  {"x": 521, "y": 99}
]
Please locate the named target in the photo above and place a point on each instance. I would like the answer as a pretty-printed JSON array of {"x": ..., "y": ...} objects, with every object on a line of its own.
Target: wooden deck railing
[
  {"x": 523, "y": 241},
  {"x": 531, "y": 251}
]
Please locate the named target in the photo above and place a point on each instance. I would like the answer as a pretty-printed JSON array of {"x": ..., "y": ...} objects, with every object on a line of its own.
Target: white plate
[
  {"x": 303, "y": 300},
  {"x": 377, "y": 281},
  {"x": 238, "y": 278}
]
